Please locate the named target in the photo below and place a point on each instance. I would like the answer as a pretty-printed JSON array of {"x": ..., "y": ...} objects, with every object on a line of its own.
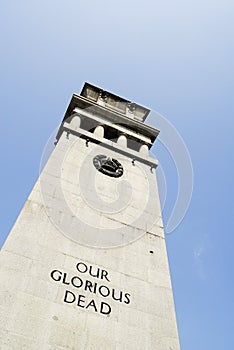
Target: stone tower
[{"x": 85, "y": 265}]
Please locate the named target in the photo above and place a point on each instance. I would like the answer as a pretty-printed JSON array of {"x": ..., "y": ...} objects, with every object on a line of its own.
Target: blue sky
[{"x": 175, "y": 57}]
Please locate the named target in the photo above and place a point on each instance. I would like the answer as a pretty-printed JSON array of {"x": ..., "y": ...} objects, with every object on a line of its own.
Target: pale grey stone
[{"x": 47, "y": 236}]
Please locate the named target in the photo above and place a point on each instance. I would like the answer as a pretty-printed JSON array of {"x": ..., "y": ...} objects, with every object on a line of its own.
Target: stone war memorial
[{"x": 85, "y": 266}]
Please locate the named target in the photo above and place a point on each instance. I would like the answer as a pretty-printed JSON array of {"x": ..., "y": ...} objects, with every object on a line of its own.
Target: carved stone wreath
[{"x": 108, "y": 166}]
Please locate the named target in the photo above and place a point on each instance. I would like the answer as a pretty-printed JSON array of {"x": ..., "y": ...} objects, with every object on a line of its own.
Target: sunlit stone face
[{"x": 85, "y": 266}]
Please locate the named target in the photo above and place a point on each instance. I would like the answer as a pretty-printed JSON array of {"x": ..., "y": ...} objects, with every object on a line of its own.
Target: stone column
[
  {"x": 75, "y": 122},
  {"x": 122, "y": 140},
  {"x": 144, "y": 150},
  {"x": 99, "y": 131}
]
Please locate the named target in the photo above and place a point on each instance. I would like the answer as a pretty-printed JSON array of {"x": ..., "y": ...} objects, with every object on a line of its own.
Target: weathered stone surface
[{"x": 73, "y": 307}]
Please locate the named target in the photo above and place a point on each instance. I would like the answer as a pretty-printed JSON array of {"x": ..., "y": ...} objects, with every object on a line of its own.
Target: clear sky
[{"x": 175, "y": 57}]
